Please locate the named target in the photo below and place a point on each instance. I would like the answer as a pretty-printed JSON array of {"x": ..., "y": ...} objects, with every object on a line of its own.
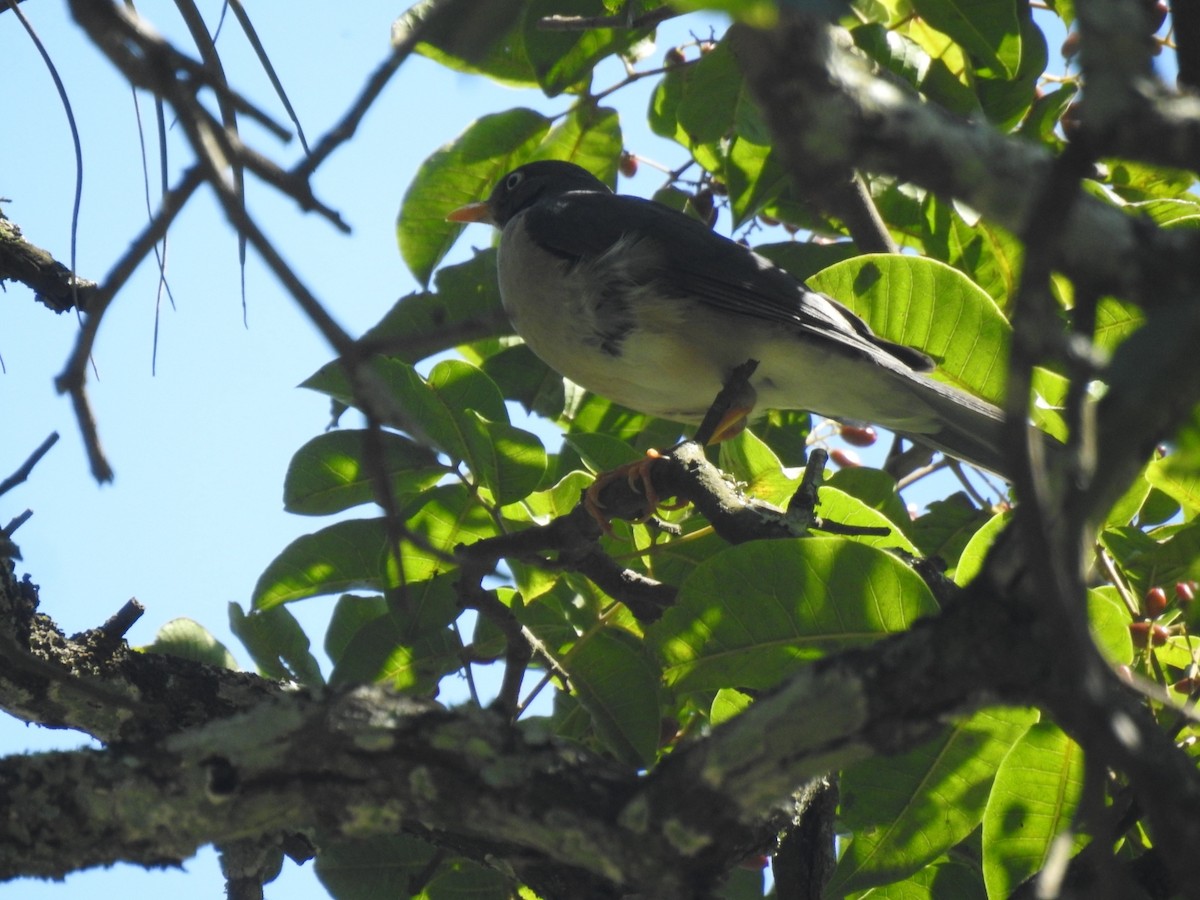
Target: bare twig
[
  {"x": 348, "y": 124},
  {"x": 26, "y": 467},
  {"x": 66, "y": 103},
  {"x": 71, "y": 380}
]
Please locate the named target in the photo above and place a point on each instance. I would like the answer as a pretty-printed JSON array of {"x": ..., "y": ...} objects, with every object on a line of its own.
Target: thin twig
[
  {"x": 348, "y": 124},
  {"x": 62, "y": 95},
  {"x": 71, "y": 380},
  {"x": 27, "y": 467},
  {"x": 260, "y": 51}
]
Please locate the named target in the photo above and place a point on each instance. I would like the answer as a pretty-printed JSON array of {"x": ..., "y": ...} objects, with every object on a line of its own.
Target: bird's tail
[{"x": 970, "y": 429}]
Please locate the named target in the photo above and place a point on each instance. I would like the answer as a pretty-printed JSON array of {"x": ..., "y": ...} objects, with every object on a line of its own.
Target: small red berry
[
  {"x": 754, "y": 862},
  {"x": 1155, "y": 602},
  {"x": 1070, "y": 46},
  {"x": 847, "y": 459},
  {"x": 627, "y": 164},
  {"x": 1185, "y": 592},
  {"x": 1187, "y": 685},
  {"x": 1158, "y": 635},
  {"x": 1139, "y": 633},
  {"x": 674, "y": 57},
  {"x": 859, "y": 437}
]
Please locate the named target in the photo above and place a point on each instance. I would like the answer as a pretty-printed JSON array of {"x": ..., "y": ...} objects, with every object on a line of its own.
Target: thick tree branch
[{"x": 827, "y": 110}]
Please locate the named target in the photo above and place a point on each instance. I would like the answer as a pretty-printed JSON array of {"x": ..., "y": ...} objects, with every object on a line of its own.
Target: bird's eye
[{"x": 514, "y": 178}]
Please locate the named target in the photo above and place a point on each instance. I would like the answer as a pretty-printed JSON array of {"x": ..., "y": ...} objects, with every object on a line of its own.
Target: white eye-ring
[{"x": 513, "y": 179}]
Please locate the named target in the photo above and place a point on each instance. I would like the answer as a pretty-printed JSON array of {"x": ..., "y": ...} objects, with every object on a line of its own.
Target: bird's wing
[{"x": 682, "y": 257}]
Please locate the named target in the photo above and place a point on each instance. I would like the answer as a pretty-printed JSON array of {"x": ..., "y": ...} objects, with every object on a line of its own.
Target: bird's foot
[{"x": 637, "y": 476}]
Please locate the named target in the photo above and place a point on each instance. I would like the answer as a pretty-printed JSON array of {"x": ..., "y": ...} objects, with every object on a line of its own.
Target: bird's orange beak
[{"x": 472, "y": 212}]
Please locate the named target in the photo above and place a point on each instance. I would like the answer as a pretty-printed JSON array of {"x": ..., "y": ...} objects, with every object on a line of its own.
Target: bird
[{"x": 652, "y": 309}]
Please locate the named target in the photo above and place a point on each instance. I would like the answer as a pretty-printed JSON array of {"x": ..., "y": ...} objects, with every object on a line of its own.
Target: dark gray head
[{"x": 526, "y": 185}]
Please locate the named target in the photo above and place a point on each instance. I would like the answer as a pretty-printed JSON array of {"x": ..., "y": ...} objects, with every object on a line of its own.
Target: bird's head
[{"x": 524, "y": 186}]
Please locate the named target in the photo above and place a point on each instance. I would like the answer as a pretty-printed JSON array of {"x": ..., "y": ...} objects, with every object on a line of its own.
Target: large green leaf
[
  {"x": 187, "y": 638},
  {"x": 749, "y": 615},
  {"x": 928, "y": 305},
  {"x": 563, "y": 59},
  {"x": 987, "y": 29},
  {"x": 342, "y": 557},
  {"x": 494, "y": 47},
  {"x": 946, "y": 878},
  {"x": 1033, "y": 800},
  {"x": 332, "y": 472},
  {"x": 906, "y": 811},
  {"x": 390, "y": 865},
  {"x": 1178, "y": 476},
  {"x": 616, "y": 683},
  {"x": 589, "y": 136},
  {"x": 1006, "y": 97},
  {"x": 840, "y": 508},
  {"x": 984, "y": 252},
  {"x": 462, "y": 171},
  {"x": 277, "y": 643},
  {"x": 461, "y": 412},
  {"x": 509, "y": 461}
]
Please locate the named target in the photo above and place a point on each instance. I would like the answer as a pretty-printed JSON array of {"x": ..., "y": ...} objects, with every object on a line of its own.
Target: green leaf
[
  {"x": 942, "y": 879},
  {"x": 987, "y": 29},
  {"x": 1007, "y": 97},
  {"x": 749, "y": 615},
  {"x": 521, "y": 376},
  {"x": 388, "y": 866},
  {"x": 839, "y": 507},
  {"x": 618, "y": 686},
  {"x": 712, "y": 90},
  {"x": 189, "y": 639},
  {"x": 757, "y": 469},
  {"x": 727, "y": 704},
  {"x": 458, "y": 173},
  {"x": 378, "y": 654},
  {"x": 462, "y": 412},
  {"x": 947, "y": 527},
  {"x": 351, "y": 613},
  {"x": 984, "y": 252},
  {"x": 589, "y": 136},
  {"x": 875, "y": 488},
  {"x": 1115, "y": 321},
  {"x": 1033, "y": 799},
  {"x": 332, "y": 472},
  {"x": 341, "y": 557},
  {"x": 908, "y": 810},
  {"x": 277, "y": 644},
  {"x": 1108, "y": 619},
  {"x": 753, "y": 176},
  {"x": 926, "y": 304},
  {"x": 502, "y": 59},
  {"x": 509, "y": 460},
  {"x": 1178, "y": 476},
  {"x": 970, "y": 563},
  {"x": 563, "y": 59}
]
